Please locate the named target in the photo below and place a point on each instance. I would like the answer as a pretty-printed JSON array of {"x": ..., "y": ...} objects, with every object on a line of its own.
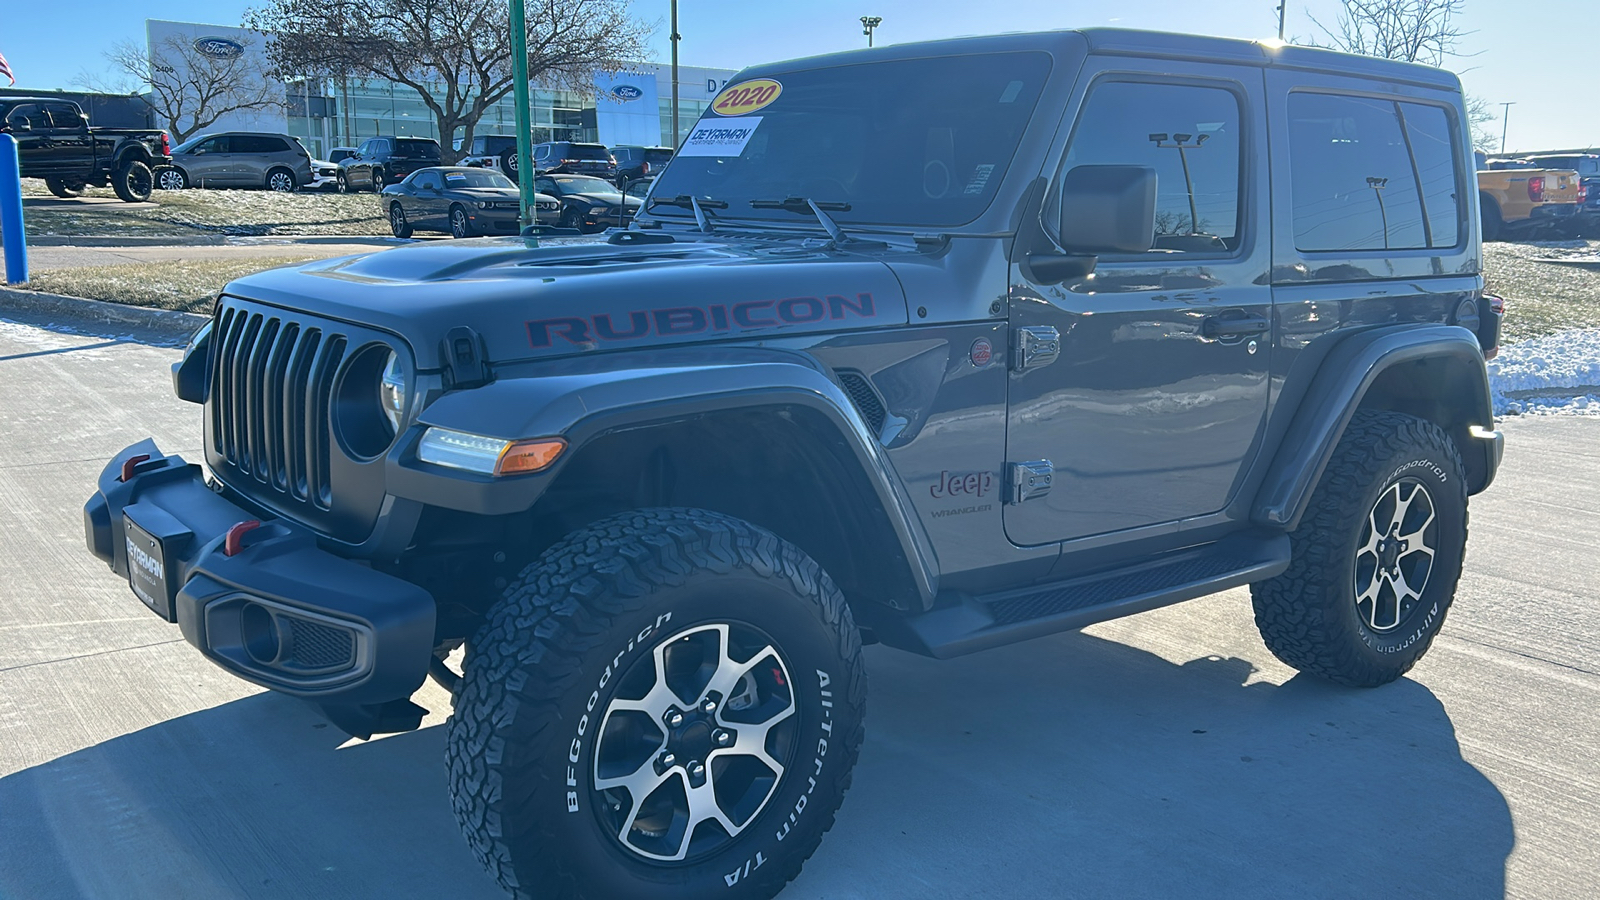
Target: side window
[
  {"x": 382, "y": 147},
  {"x": 1371, "y": 174},
  {"x": 1433, "y": 156},
  {"x": 365, "y": 149},
  {"x": 429, "y": 180},
  {"x": 64, "y": 115},
  {"x": 546, "y": 186},
  {"x": 28, "y": 113},
  {"x": 221, "y": 144},
  {"x": 1190, "y": 135}
]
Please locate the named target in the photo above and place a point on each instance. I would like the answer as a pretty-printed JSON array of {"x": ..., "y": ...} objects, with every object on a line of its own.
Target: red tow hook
[
  {"x": 131, "y": 463},
  {"x": 234, "y": 541}
]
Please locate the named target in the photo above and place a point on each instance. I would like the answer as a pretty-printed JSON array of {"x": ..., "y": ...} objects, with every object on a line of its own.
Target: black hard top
[{"x": 1148, "y": 45}]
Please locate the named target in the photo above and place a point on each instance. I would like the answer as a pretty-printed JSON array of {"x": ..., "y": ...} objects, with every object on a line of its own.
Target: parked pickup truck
[
  {"x": 1517, "y": 196},
  {"x": 55, "y": 142}
]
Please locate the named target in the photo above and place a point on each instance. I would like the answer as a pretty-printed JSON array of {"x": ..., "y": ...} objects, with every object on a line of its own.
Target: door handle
[{"x": 1225, "y": 325}]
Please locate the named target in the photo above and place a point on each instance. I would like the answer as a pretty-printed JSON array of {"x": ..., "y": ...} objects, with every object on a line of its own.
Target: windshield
[
  {"x": 583, "y": 184},
  {"x": 919, "y": 142},
  {"x": 414, "y": 147},
  {"x": 477, "y": 178},
  {"x": 188, "y": 145}
]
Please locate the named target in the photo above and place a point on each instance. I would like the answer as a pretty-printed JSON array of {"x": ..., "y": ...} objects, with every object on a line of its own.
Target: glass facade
[{"x": 328, "y": 113}]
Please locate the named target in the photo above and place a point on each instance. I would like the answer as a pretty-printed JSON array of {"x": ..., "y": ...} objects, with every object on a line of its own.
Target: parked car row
[
  {"x": 621, "y": 165},
  {"x": 468, "y": 201},
  {"x": 1557, "y": 193}
]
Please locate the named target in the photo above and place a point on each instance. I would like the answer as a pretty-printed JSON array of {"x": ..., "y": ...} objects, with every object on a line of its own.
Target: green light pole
[{"x": 519, "y": 77}]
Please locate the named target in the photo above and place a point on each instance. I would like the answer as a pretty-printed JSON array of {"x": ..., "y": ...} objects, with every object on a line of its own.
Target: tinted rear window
[
  {"x": 258, "y": 143},
  {"x": 581, "y": 151},
  {"x": 658, "y": 156},
  {"x": 417, "y": 148}
]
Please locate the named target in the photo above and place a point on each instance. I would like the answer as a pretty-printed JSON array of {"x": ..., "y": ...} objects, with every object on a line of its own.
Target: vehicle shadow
[{"x": 1067, "y": 767}]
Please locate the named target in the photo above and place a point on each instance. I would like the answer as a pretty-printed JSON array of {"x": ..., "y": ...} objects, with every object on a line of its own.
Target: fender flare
[
  {"x": 131, "y": 149},
  {"x": 1338, "y": 389},
  {"x": 588, "y": 398}
]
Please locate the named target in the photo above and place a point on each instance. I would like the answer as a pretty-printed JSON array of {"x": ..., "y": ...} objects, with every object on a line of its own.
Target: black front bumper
[{"x": 282, "y": 612}]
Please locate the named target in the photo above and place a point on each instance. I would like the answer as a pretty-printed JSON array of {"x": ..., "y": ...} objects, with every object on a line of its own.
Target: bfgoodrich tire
[
  {"x": 1376, "y": 557},
  {"x": 754, "y": 661}
]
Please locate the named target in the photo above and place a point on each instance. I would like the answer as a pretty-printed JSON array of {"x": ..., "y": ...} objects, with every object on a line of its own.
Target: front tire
[
  {"x": 460, "y": 225},
  {"x": 1376, "y": 557},
  {"x": 557, "y": 726},
  {"x": 133, "y": 181},
  {"x": 64, "y": 188},
  {"x": 344, "y": 184}
]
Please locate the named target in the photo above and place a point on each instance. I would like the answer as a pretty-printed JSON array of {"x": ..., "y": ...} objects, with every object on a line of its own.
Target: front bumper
[{"x": 281, "y": 612}]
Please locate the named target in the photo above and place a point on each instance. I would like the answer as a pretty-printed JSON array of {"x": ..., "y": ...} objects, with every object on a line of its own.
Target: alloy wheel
[
  {"x": 695, "y": 742},
  {"x": 1395, "y": 557},
  {"x": 280, "y": 181},
  {"x": 171, "y": 180}
]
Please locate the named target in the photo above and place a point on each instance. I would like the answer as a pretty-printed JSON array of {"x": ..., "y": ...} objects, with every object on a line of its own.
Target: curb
[
  {"x": 91, "y": 240},
  {"x": 164, "y": 325}
]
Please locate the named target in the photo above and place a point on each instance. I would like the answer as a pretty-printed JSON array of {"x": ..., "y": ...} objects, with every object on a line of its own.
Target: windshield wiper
[
  {"x": 817, "y": 208},
  {"x": 694, "y": 204}
]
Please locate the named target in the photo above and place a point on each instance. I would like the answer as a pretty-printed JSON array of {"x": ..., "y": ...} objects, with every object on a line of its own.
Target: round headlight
[
  {"x": 483, "y": 204},
  {"x": 392, "y": 391}
]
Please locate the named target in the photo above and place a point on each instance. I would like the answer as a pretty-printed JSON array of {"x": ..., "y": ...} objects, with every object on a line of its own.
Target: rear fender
[
  {"x": 1434, "y": 371},
  {"x": 587, "y": 398}
]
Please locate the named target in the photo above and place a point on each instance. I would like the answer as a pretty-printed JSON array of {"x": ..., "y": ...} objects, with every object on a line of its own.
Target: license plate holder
[{"x": 148, "y": 545}]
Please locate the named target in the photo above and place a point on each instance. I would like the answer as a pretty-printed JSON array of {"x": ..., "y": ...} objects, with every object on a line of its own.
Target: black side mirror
[{"x": 1101, "y": 209}]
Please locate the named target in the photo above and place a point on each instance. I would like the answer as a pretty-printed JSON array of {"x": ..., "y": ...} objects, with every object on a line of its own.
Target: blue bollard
[{"x": 11, "y": 230}]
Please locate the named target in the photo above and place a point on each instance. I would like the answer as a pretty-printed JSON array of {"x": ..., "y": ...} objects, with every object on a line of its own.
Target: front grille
[{"x": 272, "y": 382}]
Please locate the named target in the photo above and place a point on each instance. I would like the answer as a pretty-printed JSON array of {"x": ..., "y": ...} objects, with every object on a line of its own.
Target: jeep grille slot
[
  {"x": 864, "y": 398},
  {"x": 273, "y": 381}
]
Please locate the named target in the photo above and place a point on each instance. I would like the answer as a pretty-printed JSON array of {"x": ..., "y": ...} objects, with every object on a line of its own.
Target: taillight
[
  {"x": 1536, "y": 188},
  {"x": 1497, "y": 306},
  {"x": 166, "y": 148},
  {"x": 644, "y": 168},
  {"x": 1583, "y": 192}
]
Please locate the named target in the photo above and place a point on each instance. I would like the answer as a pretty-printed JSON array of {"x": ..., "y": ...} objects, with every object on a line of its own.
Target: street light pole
[
  {"x": 519, "y": 79},
  {"x": 675, "y": 38},
  {"x": 1281, "y": 5},
  {"x": 1505, "y": 121},
  {"x": 1180, "y": 142},
  {"x": 868, "y": 24}
]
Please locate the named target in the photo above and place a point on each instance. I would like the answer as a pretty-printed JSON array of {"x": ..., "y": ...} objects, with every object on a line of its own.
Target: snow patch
[{"x": 1558, "y": 374}]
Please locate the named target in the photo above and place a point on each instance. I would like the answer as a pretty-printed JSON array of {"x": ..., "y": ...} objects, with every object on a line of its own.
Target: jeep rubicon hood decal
[{"x": 580, "y": 296}]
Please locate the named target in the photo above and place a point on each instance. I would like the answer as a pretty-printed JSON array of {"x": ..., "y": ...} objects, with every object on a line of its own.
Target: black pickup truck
[{"x": 55, "y": 142}]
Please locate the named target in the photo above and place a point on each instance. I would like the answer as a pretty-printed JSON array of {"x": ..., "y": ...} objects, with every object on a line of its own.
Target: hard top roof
[{"x": 1156, "y": 45}]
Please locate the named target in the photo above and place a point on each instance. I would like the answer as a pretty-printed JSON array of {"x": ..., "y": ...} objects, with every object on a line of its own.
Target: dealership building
[{"x": 633, "y": 106}]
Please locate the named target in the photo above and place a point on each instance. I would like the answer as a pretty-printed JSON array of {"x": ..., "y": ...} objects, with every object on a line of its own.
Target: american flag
[{"x": 5, "y": 69}]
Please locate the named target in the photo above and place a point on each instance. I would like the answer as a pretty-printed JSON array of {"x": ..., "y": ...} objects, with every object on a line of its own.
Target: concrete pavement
[
  {"x": 42, "y": 259},
  {"x": 1159, "y": 756}
]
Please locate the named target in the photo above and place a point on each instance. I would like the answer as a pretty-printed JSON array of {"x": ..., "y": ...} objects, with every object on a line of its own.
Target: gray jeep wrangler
[{"x": 942, "y": 345}]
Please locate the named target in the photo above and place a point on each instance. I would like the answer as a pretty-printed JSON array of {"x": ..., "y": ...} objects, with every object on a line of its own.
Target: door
[
  {"x": 427, "y": 203},
  {"x": 28, "y": 123},
  {"x": 208, "y": 161},
  {"x": 357, "y": 172},
  {"x": 252, "y": 157},
  {"x": 1153, "y": 406},
  {"x": 69, "y": 137}
]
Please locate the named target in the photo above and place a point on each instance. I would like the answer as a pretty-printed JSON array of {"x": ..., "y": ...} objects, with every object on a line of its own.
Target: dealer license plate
[{"x": 147, "y": 568}]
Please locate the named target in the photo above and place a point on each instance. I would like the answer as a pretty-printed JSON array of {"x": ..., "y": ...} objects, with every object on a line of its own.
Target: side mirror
[
  {"x": 1101, "y": 209},
  {"x": 1108, "y": 209}
]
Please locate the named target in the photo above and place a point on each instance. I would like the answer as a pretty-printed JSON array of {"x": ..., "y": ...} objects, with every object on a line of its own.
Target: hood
[
  {"x": 485, "y": 193},
  {"x": 606, "y": 199},
  {"x": 574, "y": 296}
]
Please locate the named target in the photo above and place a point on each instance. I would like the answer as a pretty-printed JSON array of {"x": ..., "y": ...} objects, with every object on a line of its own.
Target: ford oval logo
[
  {"x": 626, "y": 92},
  {"x": 219, "y": 47}
]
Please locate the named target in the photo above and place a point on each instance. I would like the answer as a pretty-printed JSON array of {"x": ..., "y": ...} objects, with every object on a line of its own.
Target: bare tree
[
  {"x": 1480, "y": 114},
  {"x": 191, "y": 84},
  {"x": 455, "y": 53},
  {"x": 1421, "y": 31}
]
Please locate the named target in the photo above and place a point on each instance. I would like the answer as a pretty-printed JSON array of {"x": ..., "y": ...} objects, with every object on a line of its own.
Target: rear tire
[
  {"x": 65, "y": 188},
  {"x": 133, "y": 181},
  {"x": 282, "y": 181},
  {"x": 397, "y": 221},
  {"x": 607, "y": 615},
  {"x": 1376, "y": 557}
]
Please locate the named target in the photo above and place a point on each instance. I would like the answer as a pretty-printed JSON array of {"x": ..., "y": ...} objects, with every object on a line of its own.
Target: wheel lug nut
[
  {"x": 722, "y": 738},
  {"x": 673, "y": 718},
  {"x": 697, "y": 773},
  {"x": 667, "y": 759},
  {"x": 709, "y": 706}
]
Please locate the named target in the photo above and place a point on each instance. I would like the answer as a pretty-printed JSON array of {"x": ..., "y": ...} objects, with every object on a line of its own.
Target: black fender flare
[
  {"x": 1340, "y": 387},
  {"x": 584, "y": 399},
  {"x": 131, "y": 150}
]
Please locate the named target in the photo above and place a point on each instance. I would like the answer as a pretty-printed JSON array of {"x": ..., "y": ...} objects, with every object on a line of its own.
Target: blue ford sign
[
  {"x": 219, "y": 47},
  {"x": 626, "y": 92}
]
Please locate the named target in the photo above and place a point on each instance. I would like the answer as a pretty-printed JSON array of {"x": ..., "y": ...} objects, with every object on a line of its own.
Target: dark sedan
[
  {"x": 463, "y": 201},
  {"x": 588, "y": 203}
]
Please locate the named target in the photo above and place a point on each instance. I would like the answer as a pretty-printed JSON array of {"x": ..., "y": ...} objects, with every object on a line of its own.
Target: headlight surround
[
  {"x": 484, "y": 204},
  {"x": 392, "y": 391},
  {"x": 487, "y": 455}
]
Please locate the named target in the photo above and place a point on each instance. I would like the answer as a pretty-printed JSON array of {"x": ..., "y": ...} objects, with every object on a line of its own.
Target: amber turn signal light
[{"x": 521, "y": 457}]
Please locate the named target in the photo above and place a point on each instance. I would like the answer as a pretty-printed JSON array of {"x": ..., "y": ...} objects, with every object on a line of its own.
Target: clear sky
[{"x": 1539, "y": 55}]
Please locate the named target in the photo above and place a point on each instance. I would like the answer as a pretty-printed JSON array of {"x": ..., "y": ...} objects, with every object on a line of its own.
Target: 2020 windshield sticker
[
  {"x": 746, "y": 97},
  {"x": 720, "y": 137}
]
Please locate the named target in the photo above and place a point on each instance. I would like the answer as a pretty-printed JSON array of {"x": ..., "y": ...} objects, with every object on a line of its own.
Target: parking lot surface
[{"x": 1158, "y": 756}]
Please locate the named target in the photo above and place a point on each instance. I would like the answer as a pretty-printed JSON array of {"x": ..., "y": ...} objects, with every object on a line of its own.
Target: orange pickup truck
[{"x": 1518, "y": 196}]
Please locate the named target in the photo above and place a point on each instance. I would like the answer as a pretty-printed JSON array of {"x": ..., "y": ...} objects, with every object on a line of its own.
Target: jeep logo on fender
[{"x": 720, "y": 318}]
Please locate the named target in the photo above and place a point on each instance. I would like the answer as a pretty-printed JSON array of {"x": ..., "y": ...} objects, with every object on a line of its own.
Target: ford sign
[
  {"x": 219, "y": 47},
  {"x": 626, "y": 92}
]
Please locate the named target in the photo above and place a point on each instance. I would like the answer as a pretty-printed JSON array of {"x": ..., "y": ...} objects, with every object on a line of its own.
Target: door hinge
[
  {"x": 1028, "y": 480},
  {"x": 1034, "y": 346}
]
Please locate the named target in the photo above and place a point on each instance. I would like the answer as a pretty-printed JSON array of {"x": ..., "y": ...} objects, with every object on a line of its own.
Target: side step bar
[{"x": 966, "y": 624}]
